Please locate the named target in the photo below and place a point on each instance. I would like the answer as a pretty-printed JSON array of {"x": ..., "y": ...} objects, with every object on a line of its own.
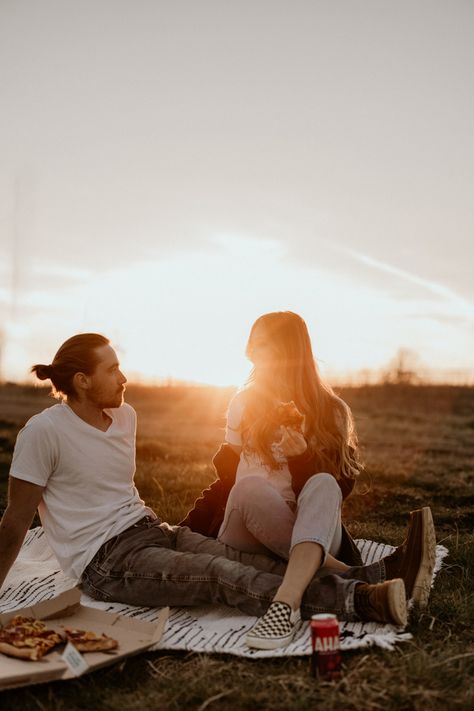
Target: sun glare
[{"x": 188, "y": 317}]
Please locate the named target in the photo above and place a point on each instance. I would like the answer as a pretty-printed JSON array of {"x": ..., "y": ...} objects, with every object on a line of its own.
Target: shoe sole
[
  {"x": 397, "y": 603},
  {"x": 422, "y": 585},
  {"x": 261, "y": 643}
]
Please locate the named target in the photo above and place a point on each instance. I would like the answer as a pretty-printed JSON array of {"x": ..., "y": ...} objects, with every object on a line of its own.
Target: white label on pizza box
[{"x": 74, "y": 660}]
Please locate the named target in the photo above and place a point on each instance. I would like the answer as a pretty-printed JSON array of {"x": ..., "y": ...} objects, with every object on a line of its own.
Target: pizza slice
[
  {"x": 288, "y": 415},
  {"x": 27, "y": 638},
  {"x": 90, "y": 641}
]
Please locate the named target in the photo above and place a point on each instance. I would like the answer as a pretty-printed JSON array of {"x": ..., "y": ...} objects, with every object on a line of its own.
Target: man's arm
[{"x": 23, "y": 500}]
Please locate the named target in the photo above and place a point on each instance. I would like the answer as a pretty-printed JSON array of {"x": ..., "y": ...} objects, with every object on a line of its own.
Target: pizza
[
  {"x": 27, "y": 638},
  {"x": 90, "y": 641},
  {"x": 30, "y": 639},
  {"x": 288, "y": 415}
]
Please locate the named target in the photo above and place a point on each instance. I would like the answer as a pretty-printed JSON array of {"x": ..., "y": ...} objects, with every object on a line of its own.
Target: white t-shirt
[
  {"x": 251, "y": 464},
  {"x": 88, "y": 474}
]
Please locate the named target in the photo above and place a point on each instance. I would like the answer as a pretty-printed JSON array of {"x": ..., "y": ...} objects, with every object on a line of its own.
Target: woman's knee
[
  {"x": 250, "y": 488},
  {"x": 323, "y": 484}
]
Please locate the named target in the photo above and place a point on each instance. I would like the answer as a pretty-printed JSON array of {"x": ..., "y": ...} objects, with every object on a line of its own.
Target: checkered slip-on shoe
[{"x": 275, "y": 629}]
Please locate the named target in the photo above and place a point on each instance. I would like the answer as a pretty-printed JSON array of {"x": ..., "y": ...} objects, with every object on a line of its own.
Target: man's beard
[{"x": 104, "y": 401}]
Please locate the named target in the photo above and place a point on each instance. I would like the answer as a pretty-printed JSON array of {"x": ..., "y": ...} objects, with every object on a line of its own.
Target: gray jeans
[
  {"x": 258, "y": 520},
  {"x": 155, "y": 564}
]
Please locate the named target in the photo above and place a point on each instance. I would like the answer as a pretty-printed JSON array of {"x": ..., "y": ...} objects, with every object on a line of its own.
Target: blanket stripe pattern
[{"x": 220, "y": 629}]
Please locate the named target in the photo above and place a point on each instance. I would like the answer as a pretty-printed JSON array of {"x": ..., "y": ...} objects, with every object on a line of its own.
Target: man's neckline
[{"x": 89, "y": 424}]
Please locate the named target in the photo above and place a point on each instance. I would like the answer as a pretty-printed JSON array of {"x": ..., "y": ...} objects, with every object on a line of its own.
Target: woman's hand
[{"x": 292, "y": 443}]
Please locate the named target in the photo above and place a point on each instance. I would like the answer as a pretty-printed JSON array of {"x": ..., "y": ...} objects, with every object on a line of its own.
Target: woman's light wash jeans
[
  {"x": 155, "y": 564},
  {"x": 258, "y": 520}
]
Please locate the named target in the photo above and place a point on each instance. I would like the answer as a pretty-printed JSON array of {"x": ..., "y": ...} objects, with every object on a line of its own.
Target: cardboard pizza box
[{"x": 133, "y": 636}]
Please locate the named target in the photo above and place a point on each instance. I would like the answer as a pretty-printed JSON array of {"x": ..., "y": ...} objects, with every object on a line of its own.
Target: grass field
[{"x": 418, "y": 445}]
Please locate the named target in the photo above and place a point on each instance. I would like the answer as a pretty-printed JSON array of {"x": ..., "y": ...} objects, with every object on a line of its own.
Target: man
[{"x": 75, "y": 462}]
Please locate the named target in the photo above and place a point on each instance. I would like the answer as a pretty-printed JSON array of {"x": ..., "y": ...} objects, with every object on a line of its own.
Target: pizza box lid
[{"x": 66, "y": 610}]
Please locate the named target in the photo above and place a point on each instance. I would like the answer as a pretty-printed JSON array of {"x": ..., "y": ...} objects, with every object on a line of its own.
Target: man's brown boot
[
  {"x": 414, "y": 560},
  {"x": 383, "y": 602}
]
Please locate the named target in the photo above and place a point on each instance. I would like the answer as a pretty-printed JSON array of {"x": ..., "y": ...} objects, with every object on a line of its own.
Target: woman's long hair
[{"x": 290, "y": 373}]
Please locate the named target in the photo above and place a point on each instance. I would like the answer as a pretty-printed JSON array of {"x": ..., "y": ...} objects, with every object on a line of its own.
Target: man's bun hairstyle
[
  {"x": 42, "y": 372},
  {"x": 76, "y": 355}
]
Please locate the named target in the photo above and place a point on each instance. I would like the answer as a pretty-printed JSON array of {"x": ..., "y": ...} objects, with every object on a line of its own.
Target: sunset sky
[{"x": 169, "y": 171}]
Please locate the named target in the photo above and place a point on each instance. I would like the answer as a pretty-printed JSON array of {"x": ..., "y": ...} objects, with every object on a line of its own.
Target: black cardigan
[{"x": 208, "y": 510}]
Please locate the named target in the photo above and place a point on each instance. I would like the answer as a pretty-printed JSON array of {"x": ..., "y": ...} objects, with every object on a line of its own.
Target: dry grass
[{"x": 418, "y": 446}]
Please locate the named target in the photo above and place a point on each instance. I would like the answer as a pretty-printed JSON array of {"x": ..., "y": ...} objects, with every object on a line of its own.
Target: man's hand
[{"x": 292, "y": 443}]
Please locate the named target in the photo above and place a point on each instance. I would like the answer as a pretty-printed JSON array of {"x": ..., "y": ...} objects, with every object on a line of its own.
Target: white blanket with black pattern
[{"x": 36, "y": 576}]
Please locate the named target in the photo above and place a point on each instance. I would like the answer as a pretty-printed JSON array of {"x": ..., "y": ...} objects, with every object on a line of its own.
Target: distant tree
[
  {"x": 365, "y": 376},
  {"x": 404, "y": 368}
]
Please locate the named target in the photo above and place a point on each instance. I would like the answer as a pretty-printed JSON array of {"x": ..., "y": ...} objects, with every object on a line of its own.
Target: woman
[
  {"x": 264, "y": 466},
  {"x": 280, "y": 490},
  {"x": 263, "y": 507}
]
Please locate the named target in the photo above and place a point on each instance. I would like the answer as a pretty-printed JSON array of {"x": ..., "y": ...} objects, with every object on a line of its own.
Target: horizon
[{"x": 391, "y": 375}]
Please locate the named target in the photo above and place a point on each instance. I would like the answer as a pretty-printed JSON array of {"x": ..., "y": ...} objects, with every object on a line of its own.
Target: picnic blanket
[{"x": 36, "y": 576}]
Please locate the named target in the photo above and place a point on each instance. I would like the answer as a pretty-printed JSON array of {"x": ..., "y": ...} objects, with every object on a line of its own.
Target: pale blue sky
[{"x": 171, "y": 170}]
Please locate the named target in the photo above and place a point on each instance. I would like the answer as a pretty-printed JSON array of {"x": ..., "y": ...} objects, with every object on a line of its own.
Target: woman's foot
[{"x": 275, "y": 629}]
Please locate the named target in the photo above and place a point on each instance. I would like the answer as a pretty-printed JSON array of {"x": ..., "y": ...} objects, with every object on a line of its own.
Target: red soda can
[{"x": 326, "y": 656}]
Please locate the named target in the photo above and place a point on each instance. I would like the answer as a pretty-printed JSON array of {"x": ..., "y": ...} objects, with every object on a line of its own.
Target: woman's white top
[{"x": 251, "y": 464}]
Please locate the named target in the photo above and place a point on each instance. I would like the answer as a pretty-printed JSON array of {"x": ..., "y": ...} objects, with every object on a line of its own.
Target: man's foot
[
  {"x": 383, "y": 602},
  {"x": 275, "y": 629},
  {"x": 414, "y": 560}
]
